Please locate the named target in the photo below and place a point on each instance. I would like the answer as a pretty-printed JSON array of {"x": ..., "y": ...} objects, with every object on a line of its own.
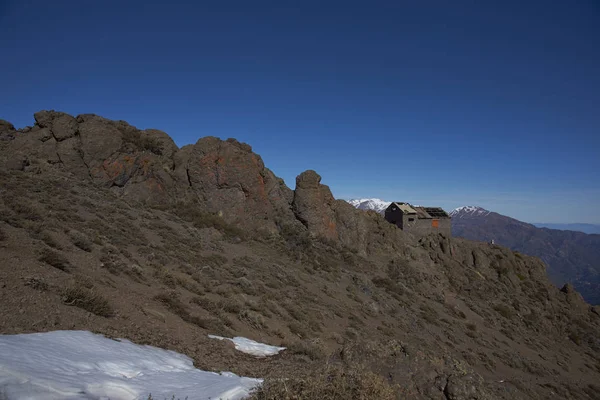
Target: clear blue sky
[{"x": 491, "y": 103}]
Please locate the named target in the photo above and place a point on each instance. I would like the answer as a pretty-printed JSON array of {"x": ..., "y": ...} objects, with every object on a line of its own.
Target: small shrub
[
  {"x": 429, "y": 314},
  {"x": 26, "y": 210},
  {"x": 386, "y": 330},
  {"x": 81, "y": 241},
  {"x": 213, "y": 260},
  {"x": 205, "y": 303},
  {"x": 504, "y": 310},
  {"x": 37, "y": 284},
  {"x": 296, "y": 238},
  {"x": 298, "y": 329},
  {"x": 471, "y": 334},
  {"x": 231, "y": 306},
  {"x": 135, "y": 137},
  {"x": 151, "y": 144},
  {"x": 575, "y": 338},
  {"x": 47, "y": 238},
  {"x": 110, "y": 262},
  {"x": 55, "y": 259},
  {"x": 253, "y": 319},
  {"x": 88, "y": 300},
  {"x": 166, "y": 277},
  {"x": 386, "y": 283},
  {"x": 328, "y": 383},
  {"x": 472, "y": 327},
  {"x": 172, "y": 302},
  {"x": 314, "y": 349},
  {"x": 191, "y": 213}
]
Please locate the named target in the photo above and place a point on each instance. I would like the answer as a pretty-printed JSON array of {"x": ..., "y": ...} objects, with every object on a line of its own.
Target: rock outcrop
[
  {"x": 223, "y": 177},
  {"x": 338, "y": 221},
  {"x": 226, "y": 177},
  {"x": 313, "y": 205}
]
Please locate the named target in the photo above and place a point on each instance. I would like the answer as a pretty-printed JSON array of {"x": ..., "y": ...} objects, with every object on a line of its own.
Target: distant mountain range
[
  {"x": 585, "y": 228},
  {"x": 571, "y": 256}
]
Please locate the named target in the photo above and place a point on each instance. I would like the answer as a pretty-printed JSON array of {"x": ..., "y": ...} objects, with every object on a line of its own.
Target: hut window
[{"x": 411, "y": 219}]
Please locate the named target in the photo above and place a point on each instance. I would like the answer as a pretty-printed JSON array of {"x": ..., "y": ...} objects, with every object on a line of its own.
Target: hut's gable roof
[
  {"x": 404, "y": 207},
  {"x": 421, "y": 212}
]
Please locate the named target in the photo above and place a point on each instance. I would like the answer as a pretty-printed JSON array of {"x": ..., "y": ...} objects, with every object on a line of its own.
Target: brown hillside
[{"x": 115, "y": 230}]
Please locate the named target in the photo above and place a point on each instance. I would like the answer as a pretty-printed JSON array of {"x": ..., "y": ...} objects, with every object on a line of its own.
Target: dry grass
[
  {"x": 37, "y": 284},
  {"x": 202, "y": 219},
  {"x": 49, "y": 239},
  {"x": 55, "y": 259},
  {"x": 504, "y": 310},
  {"x": 330, "y": 383},
  {"x": 88, "y": 300},
  {"x": 313, "y": 349},
  {"x": 81, "y": 241},
  {"x": 176, "y": 306},
  {"x": 26, "y": 210}
]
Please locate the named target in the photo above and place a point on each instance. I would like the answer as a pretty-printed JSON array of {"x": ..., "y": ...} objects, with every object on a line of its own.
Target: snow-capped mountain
[
  {"x": 376, "y": 205},
  {"x": 469, "y": 211}
]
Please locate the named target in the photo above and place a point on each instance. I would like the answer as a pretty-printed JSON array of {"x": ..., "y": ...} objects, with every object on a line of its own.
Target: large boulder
[
  {"x": 6, "y": 126},
  {"x": 113, "y": 154},
  {"x": 338, "y": 221},
  {"x": 229, "y": 179},
  {"x": 7, "y": 130},
  {"x": 313, "y": 205},
  {"x": 62, "y": 126}
]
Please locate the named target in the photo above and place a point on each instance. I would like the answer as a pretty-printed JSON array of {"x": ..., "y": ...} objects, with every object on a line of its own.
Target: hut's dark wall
[
  {"x": 418, "y": 226},
  {"x": 394, "y": 217},
  {"x": 421, "y": 227}
]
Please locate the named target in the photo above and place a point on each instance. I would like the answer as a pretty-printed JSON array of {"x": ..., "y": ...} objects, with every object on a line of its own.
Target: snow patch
[
  {"x": 251, "y": 347},
  {"x": 82, "y": 365}
]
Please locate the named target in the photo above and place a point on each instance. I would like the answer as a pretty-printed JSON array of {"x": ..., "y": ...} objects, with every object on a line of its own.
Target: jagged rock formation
[
  {"x": 222, "y": 177},
  {"x": 146, "y": 165},
  {"x": 92, "y": 237}
]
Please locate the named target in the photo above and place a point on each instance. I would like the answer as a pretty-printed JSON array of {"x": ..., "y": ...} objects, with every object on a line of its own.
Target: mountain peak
[
  {"x": 374, "y": 204},
  {"x": 471, "y": 211}
]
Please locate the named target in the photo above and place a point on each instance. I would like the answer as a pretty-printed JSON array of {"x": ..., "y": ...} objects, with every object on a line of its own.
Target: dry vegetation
[
  {"x": 414, "y": 319},
  {"x": 328, "y": 383},
  {"x": 88, "y": 300}
]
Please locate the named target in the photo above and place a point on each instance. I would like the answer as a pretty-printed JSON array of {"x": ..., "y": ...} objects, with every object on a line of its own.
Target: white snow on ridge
[
  {"x": 251, "y": 347},
  {"x": 377, "y": 205},
  {"x": 470, "y": 211},
  {"x": 82, "y": 365}
]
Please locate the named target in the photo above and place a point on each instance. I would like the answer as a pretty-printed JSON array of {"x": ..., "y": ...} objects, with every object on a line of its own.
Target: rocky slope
[
  {"x": 571, "y": 256},
  {"x": 108, "y": 228}
]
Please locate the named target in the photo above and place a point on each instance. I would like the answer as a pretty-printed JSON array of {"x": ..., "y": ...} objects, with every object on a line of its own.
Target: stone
[{"x": 466, "y": 387}]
